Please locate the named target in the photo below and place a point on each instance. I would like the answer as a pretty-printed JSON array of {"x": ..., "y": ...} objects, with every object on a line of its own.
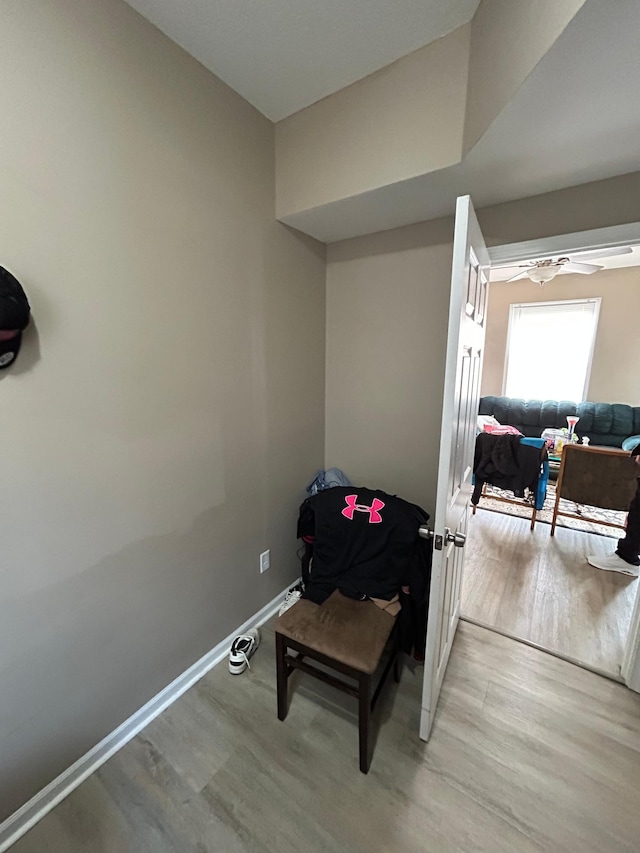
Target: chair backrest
[{"x": 597, "y": 476}]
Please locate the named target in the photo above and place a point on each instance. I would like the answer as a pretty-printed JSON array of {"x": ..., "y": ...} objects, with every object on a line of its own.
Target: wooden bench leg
[
  {"x": 396, "y": 653},
  {"x": 396, "y": 667},
  {"x": 286, "y": 664},
  {"x": 282, "y": 677},
  {"x": 364, "y": 720}
]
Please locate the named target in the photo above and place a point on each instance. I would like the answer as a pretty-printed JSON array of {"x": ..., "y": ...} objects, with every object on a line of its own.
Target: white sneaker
[
  {"x": 289, "y": 600},
  {"x": 613, "y": 563},
  {"x": 242, "y": 648}
]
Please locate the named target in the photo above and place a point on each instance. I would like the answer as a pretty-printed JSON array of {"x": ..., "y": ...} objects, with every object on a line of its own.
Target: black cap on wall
[{"x": 14, "y": 317}]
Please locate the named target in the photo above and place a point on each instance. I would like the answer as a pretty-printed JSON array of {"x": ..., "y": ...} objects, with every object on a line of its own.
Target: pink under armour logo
[{"x": 354, "y": 506}]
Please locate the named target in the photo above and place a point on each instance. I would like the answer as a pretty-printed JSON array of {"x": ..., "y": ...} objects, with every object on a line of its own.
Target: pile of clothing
[
  {"x": 365, "y": 543},
  {"x": 506, "y": 462}
]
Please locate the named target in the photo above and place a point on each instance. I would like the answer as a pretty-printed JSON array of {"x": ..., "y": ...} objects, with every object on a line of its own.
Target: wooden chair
[
  {"x": 604, "y": 477},
  {"x": 347, "y": 636}
]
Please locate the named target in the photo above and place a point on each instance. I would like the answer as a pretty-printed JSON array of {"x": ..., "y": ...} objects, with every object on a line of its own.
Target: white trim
[
  {"x": 594, "y": 335},
  {"x": 505, "y": 367},
  {"x": 17, "y": 824},
  {"x": 547, "y": 651},
  {"x": 565, "y": 244}
]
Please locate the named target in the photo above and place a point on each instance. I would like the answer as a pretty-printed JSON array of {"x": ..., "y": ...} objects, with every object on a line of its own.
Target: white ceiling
[
  {"x": 575, "y": 119},
  {"x": 502, "y": 273},
  {"x": 282, "y": 55}
]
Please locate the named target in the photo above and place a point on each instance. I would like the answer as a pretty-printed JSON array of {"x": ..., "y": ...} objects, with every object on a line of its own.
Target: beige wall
[
  {"x": 509, "y": 38},
  {"x": 166, "y": 411},
  {"x": 405, "y": 120},
  {"x": 599, "y": 204},
  {"x": 387, "y": 312},
  {"x": 616, "y": 358},
  {"x": 167, "y": 407},
  {"x": 387, "y": 305},
  {"x": 418, "y": 115}
]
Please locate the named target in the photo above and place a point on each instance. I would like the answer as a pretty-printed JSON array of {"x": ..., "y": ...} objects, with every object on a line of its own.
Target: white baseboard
[{"x": 15, "y": 826}]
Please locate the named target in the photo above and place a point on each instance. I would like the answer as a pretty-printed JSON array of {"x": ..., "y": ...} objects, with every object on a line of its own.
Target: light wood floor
[
  {"x": 542, "y": 588},
  {"x": 528, "y": 753}
]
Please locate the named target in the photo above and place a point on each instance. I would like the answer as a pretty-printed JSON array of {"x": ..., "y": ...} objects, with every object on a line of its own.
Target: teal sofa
[{"x": 607, "y": 424}]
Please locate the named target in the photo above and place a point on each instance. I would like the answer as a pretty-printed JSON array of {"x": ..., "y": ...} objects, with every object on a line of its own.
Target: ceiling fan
[{"x": 548, "y": 268}]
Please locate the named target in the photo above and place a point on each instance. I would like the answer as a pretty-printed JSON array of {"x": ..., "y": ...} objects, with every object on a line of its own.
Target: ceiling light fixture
[{"x": 541, "y": 275}]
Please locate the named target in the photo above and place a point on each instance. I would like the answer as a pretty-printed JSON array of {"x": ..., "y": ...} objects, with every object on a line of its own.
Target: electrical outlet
[{"x": 265, "y": 561}]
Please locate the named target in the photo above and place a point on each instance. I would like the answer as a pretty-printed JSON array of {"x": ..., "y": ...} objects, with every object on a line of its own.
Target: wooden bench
[{"x": 347, "y": 636}]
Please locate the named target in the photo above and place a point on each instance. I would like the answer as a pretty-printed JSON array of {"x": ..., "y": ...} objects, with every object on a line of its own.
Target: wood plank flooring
[
  {"x": 528, "y": 753},
  {"x": 543, "y": 590}
]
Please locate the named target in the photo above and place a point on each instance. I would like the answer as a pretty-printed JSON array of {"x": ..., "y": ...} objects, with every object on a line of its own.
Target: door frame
[{"x": 564, "y": 244}]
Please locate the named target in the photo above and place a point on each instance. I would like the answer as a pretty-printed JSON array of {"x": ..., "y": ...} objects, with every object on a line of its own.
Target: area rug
[{"x": 545, "y": 515}]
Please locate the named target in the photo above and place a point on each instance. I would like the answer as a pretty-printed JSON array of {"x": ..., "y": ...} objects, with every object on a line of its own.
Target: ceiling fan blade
[
  {"x": 584, "y": 269},
  {"x": 503, "y": 273},
  {"x": 519, "y": 275},
  {"x": 602, "y": 253}
]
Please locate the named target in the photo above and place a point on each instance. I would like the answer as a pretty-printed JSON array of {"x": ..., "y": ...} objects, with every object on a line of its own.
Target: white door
[{"x": 469, "y": 287}]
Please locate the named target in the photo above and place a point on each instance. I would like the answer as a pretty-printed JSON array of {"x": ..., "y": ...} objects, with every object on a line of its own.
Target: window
[{"x": 549, "y": 349}]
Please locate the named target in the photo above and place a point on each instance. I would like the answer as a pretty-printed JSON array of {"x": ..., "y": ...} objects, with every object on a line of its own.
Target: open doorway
[{"x": 526, "y": 583}]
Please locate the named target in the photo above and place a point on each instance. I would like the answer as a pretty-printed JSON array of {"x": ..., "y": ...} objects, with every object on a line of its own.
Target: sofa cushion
[
  {"x": 604, "y": 423},
  {"x": 587, "y": 415}
]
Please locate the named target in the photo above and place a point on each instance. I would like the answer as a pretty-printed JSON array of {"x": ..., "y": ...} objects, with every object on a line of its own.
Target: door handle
[
  {"x": 458, "y": 539},
  {"x": 426, "y": 533}
]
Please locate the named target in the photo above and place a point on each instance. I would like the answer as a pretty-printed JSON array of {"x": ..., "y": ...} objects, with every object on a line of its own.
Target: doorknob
[
  {"x": 425, "y": 532},
  {"x": 458, "y": 539}
]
